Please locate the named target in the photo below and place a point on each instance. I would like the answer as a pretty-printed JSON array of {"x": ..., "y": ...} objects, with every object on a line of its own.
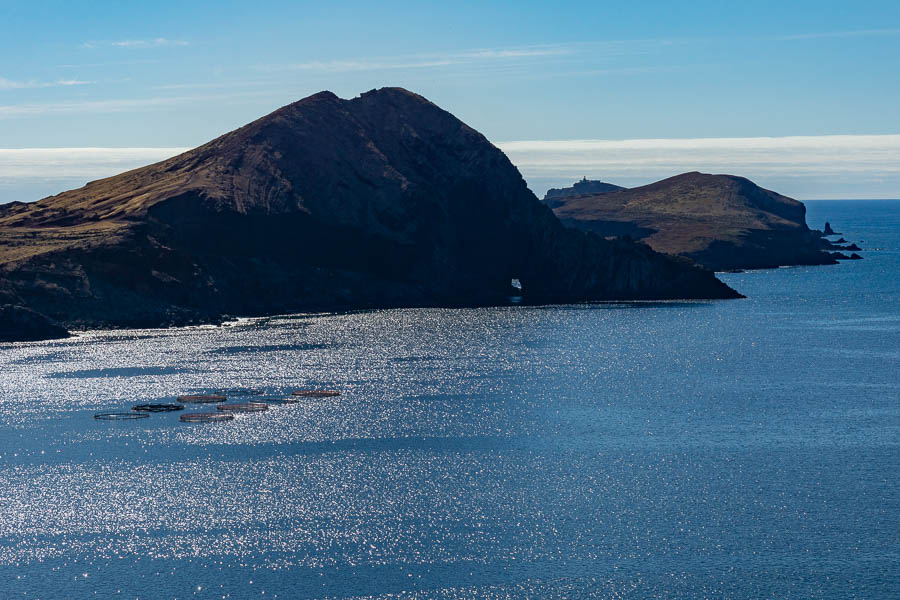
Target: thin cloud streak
[
  {"x": 12, "y": 111},
  {"x": 346, "y": 66},
  {"x": 9, "y": 84},
  {"x": 116, "y": 63},
  {"x": 516, "y": 53},
  {"x": 840, "y": 34},
  {"x": 592, "y": 49},
  {"x": 422, "y": 61},
  {"x": 88, "y": 106},
  {"x": 144, "y": 43}
]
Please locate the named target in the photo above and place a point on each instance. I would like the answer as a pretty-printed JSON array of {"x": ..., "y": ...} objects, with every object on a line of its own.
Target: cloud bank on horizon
[
  {"x": 807, "y": 167},
  {"x": 28, "y": 174}
]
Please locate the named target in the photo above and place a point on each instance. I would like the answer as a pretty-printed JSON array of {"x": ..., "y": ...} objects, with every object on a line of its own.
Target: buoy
[
  {"x": 244, "y": 407},
  {"x": 316, "y": 393},
  {"x": 206, "y": 417},
  {"x": 202, "y": 398}
]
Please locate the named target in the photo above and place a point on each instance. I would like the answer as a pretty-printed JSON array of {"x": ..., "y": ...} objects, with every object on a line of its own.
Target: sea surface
[{"x": 728, "y": 449}]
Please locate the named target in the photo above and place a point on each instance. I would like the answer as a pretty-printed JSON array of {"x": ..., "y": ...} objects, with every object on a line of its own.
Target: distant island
[
  {"x": 721, "y": 222},
  {"x": 384, "y": 200}
]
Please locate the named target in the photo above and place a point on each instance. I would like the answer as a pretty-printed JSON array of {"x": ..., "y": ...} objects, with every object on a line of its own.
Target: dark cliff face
[
  {"x": 722, "y": 222},
  {"x": 382, "y": 200},
  {"x": 19, "y": 324}
]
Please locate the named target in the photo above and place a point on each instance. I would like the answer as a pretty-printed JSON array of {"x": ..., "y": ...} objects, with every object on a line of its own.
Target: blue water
[{"x": 732, "y": 449}]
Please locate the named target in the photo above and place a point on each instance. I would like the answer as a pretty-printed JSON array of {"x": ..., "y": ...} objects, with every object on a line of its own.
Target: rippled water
[{"x": 737, "y": 449}]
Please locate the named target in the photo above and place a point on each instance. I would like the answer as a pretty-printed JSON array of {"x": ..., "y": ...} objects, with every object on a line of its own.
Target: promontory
[
  {"x": 722, "y": 222},
  {"x": 384, "y": 200}
]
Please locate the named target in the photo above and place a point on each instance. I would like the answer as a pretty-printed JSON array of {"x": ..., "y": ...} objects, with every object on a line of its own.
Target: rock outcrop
[
  {"x": 326, "y": 204},
  {"x": 721, "y": 222},
  {"x": 586, "y": 187},
  {"x": 20, "y": 324}
]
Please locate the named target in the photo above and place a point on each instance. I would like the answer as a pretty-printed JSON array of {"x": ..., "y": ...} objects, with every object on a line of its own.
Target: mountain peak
[
  {"x": 381, "y": 200},
  {"x": 392, "y": 92}
]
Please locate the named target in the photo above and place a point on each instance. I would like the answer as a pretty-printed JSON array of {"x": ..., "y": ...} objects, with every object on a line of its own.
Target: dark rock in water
[
  {"x": 20, "y": 324},
  {"x": 722, "y": 222},
  {"x": 836, "y": 245},
  {"x": 326, "y": 204},
  {"x": 586, "y": 187},
  {"x": 839, "y": 256},
  {"x": 855, "y": 256},
  {"x": 829, "y": 230}
]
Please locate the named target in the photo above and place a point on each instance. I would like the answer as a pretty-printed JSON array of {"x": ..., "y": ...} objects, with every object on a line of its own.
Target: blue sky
[{"x": 164, "y": 76}]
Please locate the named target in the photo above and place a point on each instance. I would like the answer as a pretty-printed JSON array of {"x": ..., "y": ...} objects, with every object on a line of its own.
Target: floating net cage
[
  {"x": 242, "y": 392},
  {"x": 206, "y": 417},
  {"x": 287, "y": 400},
  {"x": 120, "y": 416},
  {"x": 243, "y": 407},
  {"x": 157, "y": 408},
  {"x": 315, "y": 393},
  {"x": 201, "y": 398}
]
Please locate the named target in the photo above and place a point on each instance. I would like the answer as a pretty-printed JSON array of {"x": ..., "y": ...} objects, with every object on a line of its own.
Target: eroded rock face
[{"x": 382, "y": 200}]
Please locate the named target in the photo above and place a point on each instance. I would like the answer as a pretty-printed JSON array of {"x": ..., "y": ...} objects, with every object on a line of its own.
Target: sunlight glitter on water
[{"x": 735, "y": 449}]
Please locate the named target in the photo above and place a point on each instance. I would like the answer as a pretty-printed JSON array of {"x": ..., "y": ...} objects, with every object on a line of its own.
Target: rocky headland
[
  {"x": 721, "y": 222},
  {"x": 384, "y": 200}
]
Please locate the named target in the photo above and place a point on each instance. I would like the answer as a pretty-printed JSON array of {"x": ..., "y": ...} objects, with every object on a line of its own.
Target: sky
[{"x": 802, "y": 97}]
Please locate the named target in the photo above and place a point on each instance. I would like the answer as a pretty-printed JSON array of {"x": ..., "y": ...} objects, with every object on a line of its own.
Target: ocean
[{"x": 724, "y": 449}]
